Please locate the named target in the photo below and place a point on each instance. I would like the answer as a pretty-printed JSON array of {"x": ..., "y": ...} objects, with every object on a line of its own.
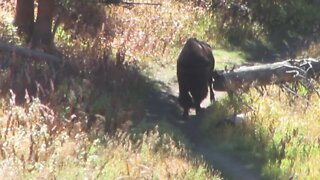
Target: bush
[{"x": 283, "y": 23}]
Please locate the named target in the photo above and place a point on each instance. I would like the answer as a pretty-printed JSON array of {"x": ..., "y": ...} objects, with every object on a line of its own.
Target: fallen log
[
  {"x": 264, "y": 74},
  {"x": 28, "y": 52}
]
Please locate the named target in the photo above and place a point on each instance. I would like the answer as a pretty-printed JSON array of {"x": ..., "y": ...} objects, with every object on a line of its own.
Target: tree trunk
[
  {"x": 24, "y": 18},
  {"x": 260, "y": 75},
  {"x": 42, "y": 34}
]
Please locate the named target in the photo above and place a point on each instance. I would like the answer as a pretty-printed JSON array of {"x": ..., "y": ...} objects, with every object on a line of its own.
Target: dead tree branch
[{"x": 260, "y": 75}]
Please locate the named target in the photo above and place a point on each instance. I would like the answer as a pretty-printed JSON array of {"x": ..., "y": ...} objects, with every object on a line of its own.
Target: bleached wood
[{"x": 264, "y": 74}]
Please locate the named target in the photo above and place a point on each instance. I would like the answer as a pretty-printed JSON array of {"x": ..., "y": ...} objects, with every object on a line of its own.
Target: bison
[{"x": 195, "y": 66}]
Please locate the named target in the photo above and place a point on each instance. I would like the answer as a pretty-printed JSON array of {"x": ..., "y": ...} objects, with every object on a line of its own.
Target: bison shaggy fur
[{"x": 195, "y": 66}]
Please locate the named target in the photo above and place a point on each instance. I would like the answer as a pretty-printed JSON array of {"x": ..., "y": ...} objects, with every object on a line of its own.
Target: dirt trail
[{"x": 163, "y": 105}]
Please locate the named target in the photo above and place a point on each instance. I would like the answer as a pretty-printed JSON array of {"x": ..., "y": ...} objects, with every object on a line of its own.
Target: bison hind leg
[
  {"x": 185, "y": 114},
  {"x": 199, "y": 112},
  {"x": 186, "y": 103},
  {"x": 198, "y": 98}
]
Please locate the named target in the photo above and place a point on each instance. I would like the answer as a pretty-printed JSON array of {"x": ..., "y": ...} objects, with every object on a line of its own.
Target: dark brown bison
[{"x": 194, "y": 70}]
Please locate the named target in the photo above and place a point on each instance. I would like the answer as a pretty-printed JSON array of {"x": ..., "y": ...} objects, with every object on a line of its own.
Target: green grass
[{"x": 228, "y": 58}]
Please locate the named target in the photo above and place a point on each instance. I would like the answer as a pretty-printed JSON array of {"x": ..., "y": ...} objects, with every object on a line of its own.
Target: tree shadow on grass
[
  {"x": 94, "y": 89},
  {"x": 106, "y": 93}
]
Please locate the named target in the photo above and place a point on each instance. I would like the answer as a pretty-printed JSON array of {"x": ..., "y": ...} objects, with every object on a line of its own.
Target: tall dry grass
[
  {"x": 37, "y": 143},
  {"x": 62, "y": 122},
  {"x": 279, "y": 132},
  {"x": 289, "y": 129}
]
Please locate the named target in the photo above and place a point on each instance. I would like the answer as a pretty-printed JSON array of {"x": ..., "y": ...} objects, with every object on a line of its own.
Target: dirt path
[{"x": 163, "y": 105}]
